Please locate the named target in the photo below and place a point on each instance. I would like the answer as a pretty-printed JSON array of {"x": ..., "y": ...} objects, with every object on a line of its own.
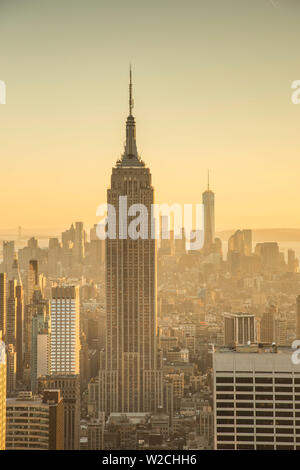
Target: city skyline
[
  {"x": 65, "y": 115},
  {"x": 150, "y": 279},
  {"x": 130, "y": 378}
]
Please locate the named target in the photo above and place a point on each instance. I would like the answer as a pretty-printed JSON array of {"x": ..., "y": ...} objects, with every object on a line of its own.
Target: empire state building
[{"x": 130, "y": 369}]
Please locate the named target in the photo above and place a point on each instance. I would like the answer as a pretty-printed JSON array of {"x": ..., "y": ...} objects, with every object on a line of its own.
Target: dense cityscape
[
  {"x": 122, "y": 344},
  {"x": 149, "y": 232}
]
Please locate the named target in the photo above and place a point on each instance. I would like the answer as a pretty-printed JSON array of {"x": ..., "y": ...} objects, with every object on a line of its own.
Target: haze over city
[
  {"x": 118, "y": 329},
  {"x": 212, "y": 90}
]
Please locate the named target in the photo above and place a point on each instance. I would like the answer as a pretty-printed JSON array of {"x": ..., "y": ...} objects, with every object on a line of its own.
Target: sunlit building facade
[
  {"x": 256, "y": 399},
  {"x": 131, "y": 377},
  {"x": 65, "y": 342},
  {"x": 2, "y": 394}
]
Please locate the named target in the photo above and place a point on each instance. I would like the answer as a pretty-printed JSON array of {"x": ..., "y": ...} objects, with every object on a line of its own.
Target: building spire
[
  {"x": 131, "y": 103},
  {"x": 207, "y": 180},
  {"x": 130, "y": 156}
]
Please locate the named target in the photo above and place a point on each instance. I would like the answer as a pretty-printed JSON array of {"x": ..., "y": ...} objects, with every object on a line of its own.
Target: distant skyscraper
[
  {"x": 239, "y": 328},
  {"x": 67, "y": 237},
  {"x": 131, "y": 380},
  {"x": 11, "y": 321},
  {"x": 8, "y": 256},
  {"x": 241, "y": 241},
  {"x": 208, "y": 200},
  {"x": 2, "y": 394},
  {"x": 69, "y": 385},
  {"x": 239, "y": 251},
  {"x": 32, "y": 283},
  {"x": 79, "y": 242},
  {"x": 167, "y": 245},
  {"x": 65, "y": 335},
  {"x": 32, "y": 279},
  {"x": 96, "y": 250},
  {"x": 267, "y": 325},
  {"x": 247, "y": 238},
  {"x": 3, "y": 288},
  {"x": 19, "y": 300},
  {"x": 269, "y": 255},
  {"x": 40, "y": 351}
]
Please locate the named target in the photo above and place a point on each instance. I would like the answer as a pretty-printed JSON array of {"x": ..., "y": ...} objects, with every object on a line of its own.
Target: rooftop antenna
[{"x": 130, "y": 92}]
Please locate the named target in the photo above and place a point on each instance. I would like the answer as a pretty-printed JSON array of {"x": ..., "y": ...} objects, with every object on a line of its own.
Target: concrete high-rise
[
  {"x": 35, "y": 423},
  {"x": 65, "y": 334},
  {"x": 256, "y": 399},
  {"x": 131, "y": 377}
]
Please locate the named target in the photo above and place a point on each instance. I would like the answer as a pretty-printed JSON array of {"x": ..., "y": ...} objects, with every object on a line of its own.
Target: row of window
[{"x": 264, "y": 380}]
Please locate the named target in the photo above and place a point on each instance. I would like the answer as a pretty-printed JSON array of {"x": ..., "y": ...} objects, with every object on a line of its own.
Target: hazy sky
[{"x": 212, "y": 89}]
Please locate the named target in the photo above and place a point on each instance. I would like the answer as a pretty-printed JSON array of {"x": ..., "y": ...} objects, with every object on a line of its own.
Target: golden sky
[{"x": 212, "y": 89}]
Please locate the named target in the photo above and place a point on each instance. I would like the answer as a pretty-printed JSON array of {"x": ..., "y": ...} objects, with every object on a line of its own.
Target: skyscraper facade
[
  {"x": 256, "y": 399},
  {"x": 11, "y": 368},
  {"x": 8, "y": 255},
  {"x": 3, "y": 304},
  {"x": 239, "y": 328},
  {"x": 267, "y": 325},
  {"x": 19, "y": 303},
  {"x": 2, "y": 394},
  {"x": 32, "y": 283},
  {"x": 69, "y": 385},
  {"x": 208, "y": 200},
  {"x": 40, "y": 352},
  {"x": 79, "y": 242},
  {"x": 35, "y": 423},
  {"x": 11, "y": 321},
  {"x": 65, "y": 335},
  {"x": 131, "y": 377}
]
